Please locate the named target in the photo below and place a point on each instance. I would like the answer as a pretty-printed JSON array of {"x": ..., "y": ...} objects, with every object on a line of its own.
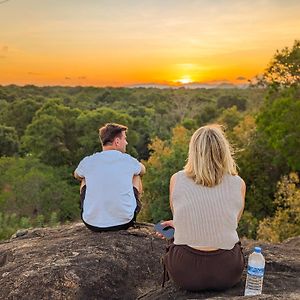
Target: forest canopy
[{"x": 46, "y": 131}]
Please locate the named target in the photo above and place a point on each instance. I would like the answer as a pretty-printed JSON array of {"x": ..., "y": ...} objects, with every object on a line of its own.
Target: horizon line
[{"x": 165, "y": 85}]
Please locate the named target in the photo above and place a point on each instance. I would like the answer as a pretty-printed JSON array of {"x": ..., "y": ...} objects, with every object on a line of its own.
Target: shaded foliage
[
  {"x": 19, "y": 114},
  {"x": 279, "y": 120},
  {"x": 9, "y": 141},
  {"x": 229, "y": 101},
  {"x": 29, "y": 189},
  {"x": 52, "y": 134}
]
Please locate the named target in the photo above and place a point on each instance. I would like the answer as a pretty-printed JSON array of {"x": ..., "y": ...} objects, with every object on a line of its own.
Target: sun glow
[
  {"x": 195, "y": 46},
  {"x": 185, "y": 80}
]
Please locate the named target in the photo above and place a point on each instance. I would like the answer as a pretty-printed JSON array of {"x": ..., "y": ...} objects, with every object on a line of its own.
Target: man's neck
[{"x": 109, "y": 147}]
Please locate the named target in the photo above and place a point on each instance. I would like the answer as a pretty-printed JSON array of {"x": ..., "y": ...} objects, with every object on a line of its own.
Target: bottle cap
[{"x": 257, "y": 249}]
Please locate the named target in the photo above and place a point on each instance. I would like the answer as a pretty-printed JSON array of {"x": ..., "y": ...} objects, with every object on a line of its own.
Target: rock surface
[{"x": 71, "y": 262}]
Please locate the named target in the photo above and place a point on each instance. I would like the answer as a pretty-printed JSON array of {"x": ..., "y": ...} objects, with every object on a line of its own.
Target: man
[{"x": 110, "y": 183}]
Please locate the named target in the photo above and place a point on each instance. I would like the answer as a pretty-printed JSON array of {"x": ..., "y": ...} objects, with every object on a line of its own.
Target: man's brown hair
[{"x": 109, "y": 132}]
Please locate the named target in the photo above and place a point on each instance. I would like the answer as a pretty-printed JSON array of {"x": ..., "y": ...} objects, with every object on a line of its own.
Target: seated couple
[{"x": 206, "y": 200}]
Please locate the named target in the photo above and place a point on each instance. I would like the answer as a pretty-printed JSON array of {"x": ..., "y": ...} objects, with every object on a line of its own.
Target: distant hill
[{"x": 193, "y": 85}]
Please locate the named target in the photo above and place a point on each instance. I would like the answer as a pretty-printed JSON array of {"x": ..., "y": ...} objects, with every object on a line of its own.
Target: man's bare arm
[
  {"x": 77, "y": 176},
  {"x": 143, "y": 170}
]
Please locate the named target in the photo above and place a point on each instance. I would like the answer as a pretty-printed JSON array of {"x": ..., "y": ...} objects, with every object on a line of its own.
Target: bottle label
[
  {"x": 253, "y": 285},
  {"x": 259, "y": 272}
]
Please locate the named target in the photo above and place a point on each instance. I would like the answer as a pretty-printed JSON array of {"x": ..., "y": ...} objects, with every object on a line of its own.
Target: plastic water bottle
[{"x": 255, "y": 273}]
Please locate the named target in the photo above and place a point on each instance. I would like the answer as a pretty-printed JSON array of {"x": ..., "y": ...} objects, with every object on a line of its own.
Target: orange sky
[{"x": 123, "y": 42}]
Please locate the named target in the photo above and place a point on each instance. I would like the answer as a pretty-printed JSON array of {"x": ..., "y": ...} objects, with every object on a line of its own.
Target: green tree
[
  {"x": 279, "y": 120},
  {"x": 30, "y": 189},
  {"x": 271, "y": 148},
  {"x": 19, "y": 114},
  {"x": 243, "y": 132},
  {"x": 167, "y": 157},
  {"x": 88, "y": 123},
  {"x": 261, "y": 173},
  {"x": 208, "y": 113},
  {"x": 286, "y": 221},
  {"x": 9, "y": 141},
  {"x": 52, "y": 135},
  {"x": 3, "y": 110},
  {"x": 284, "y": 69},
  {"x": 189, "y": 123},
  {"x": 230, "y": 118},
  {"x": 45, "y": 139},
  {"x": 227, "y": 101},
  {"x": 248, "y": 225}
]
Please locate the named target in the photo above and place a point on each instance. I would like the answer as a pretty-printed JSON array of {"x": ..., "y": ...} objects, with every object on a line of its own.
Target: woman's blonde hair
[{"x": 210, "y": 156}]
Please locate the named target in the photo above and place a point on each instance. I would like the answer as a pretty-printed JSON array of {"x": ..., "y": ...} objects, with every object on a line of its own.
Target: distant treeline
[{"x": 45, "y": 131}]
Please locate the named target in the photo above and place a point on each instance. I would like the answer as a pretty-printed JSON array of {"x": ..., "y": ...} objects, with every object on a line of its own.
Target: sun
[{"x": 185, "y": 80}]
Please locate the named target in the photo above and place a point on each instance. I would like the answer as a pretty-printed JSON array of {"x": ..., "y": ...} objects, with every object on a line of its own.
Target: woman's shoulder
[
  {"x": 236, "y": 178},
  {"x": 181, "y": 178},
  {"x": 179, "y": 174}
]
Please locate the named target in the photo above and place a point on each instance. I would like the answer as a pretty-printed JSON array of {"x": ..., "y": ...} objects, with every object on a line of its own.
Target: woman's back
[{"x": 207, "y": 217}]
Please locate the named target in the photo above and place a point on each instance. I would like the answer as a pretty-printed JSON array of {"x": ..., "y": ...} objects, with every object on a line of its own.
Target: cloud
[
  {"x": 3, "y": 1},
  {"x": 67, "y": 78},
  {"x": 81, "y": 77},
  {"x": 241, "y": 78}
]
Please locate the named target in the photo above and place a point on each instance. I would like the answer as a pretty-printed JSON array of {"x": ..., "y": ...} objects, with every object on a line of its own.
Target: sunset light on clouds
[{"x": 126, "y": 42}]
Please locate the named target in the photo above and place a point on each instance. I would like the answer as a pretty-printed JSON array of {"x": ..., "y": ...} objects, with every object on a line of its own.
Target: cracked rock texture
[{"x": 71, "y": 262}]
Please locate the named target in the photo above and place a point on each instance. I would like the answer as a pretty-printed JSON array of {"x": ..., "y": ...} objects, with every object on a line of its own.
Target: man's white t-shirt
[{"x": 109, "y": 198}]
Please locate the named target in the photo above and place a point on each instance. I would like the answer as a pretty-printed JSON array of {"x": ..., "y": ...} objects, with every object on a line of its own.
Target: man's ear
[{"x": 117, "y": 141}]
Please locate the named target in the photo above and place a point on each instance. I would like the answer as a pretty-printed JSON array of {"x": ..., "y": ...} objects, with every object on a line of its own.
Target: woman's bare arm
[
  {"x": 243, "y": 191},
  {"x": 171, "y": 189}
]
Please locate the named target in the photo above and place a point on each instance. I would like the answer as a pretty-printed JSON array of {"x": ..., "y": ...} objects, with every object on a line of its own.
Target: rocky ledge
[{"x": 71, "y": 262}]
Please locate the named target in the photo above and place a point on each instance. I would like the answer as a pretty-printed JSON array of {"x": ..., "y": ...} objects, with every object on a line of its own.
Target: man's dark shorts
[{"x": 112, "y": 228}]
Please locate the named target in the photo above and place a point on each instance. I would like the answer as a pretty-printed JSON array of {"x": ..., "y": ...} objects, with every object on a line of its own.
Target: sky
[{"x": 127, "y": 42}]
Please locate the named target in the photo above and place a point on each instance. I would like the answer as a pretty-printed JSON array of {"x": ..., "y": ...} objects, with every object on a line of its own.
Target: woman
[{"x": 207, "y": 200}]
